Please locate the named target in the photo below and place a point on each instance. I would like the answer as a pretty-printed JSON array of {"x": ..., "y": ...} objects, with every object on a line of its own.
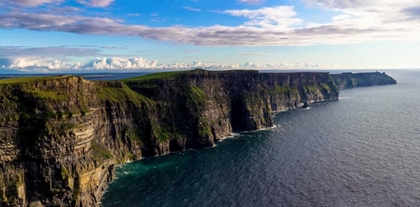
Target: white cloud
[
  {"x": 256, "y": 54},
  {"x": 15, "y": 51},
  {"x": 133, "y": 15},
  {"x": 30, "y": 3},
  {"x": 251, "y": 1},
  {"x": 36, "y": 64},
  {"x": 96, "y": 3},
  {"x": 268, "y": 16},
  {"x": 341, "y": 17},
  {"x": 192, "y": 9}
]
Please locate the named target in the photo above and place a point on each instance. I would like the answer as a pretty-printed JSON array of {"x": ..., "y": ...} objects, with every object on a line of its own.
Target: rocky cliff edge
[{"x": 352, "y": 80}]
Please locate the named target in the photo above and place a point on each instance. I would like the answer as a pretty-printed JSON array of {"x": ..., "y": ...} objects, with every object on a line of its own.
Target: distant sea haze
[{"x": 362, "y": 150}]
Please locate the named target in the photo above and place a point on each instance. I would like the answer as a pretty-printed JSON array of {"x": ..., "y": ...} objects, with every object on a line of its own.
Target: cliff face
[
  {"x": 201, "y": 107},
  {"x": 60, "y": 137},
  {"x": 352, "y": 80}
]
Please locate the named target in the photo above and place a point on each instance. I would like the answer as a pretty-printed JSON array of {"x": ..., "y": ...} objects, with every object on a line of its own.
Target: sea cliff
[
  {"x": 60, "y": 137},
  {"x": 352, "y": 80}
]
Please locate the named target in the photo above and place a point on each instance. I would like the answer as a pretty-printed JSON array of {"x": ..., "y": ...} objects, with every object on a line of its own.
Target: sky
[{"x": 131, "y": 35}]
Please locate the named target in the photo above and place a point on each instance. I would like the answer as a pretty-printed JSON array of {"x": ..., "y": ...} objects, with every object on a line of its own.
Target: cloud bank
[
  {"x": 47, "y": 65},
  {"x": 55, "y": 59}
]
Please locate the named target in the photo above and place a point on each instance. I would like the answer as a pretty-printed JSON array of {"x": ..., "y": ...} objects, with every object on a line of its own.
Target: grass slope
[
  {"x": 23, "y": 80},
  {"x": 154, "y": 76}
]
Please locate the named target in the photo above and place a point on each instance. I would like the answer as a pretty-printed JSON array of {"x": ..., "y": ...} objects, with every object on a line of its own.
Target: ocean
[{"x": 362, "y": 150}]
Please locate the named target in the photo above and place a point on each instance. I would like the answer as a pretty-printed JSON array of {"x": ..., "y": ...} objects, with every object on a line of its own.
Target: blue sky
[{"x": 126, "y": 35}]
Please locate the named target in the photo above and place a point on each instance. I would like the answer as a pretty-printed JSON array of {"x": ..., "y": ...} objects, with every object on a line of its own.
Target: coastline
[{"x": 106, "y": 123}]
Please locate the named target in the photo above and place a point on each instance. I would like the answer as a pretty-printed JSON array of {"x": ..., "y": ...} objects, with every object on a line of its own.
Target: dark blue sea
[{"x": 363, "y": 150}]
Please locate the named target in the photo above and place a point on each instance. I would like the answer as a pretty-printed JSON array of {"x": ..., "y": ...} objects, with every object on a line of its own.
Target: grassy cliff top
[
  {"x": 23, "y": 80},
  {"x": 154, "y": 76}
]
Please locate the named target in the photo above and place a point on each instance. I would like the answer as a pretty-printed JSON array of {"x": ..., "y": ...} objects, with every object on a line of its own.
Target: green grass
[
  {"x": 283, "y": 90},
  {"x": 311, "y": 88},
  {"x": 118, "y": 94},
  {"x": 196, "y": 94},
  {"x": 47, "y": 95},
  {"x": 101, "y": 150},
  {"x": 132, "y": 135},
  {"x": 161, "y": 133},
  {"x": 164, "y": 134},
  {"x": 203, "y": 129},
  {"x": 65, "y": 174},
  {"x": 154, "y": 76},
  {"x": 326, "y": 87},
  {"x": 28, "y": 79}
]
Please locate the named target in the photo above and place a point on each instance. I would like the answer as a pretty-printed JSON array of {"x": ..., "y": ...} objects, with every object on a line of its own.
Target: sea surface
[{"x": 362, "y": 150}]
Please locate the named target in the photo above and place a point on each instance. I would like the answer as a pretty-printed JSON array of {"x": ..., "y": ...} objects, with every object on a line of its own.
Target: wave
[{"x": 230, "y": 136}]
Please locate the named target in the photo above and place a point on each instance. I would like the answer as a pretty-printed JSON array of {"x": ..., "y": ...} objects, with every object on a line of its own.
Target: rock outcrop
[
  {"x": 352, "y": 80},
  {"x": 60, "y": 137}
]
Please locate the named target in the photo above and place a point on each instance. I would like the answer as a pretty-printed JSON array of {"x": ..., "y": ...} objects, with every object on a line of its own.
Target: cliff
[
  {"x": 60, "y": 137},
  {"x": 352, "y": 80}
]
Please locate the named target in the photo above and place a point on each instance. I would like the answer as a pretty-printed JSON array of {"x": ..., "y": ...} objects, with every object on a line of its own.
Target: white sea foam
[
  {"x": 230, "y": 136},
  {"x": 264, "y": 129},
  {"x": 276, "y": 126}
]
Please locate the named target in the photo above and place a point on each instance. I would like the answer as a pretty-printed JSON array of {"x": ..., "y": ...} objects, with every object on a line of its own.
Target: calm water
[{"x": 363, "y": 150}]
